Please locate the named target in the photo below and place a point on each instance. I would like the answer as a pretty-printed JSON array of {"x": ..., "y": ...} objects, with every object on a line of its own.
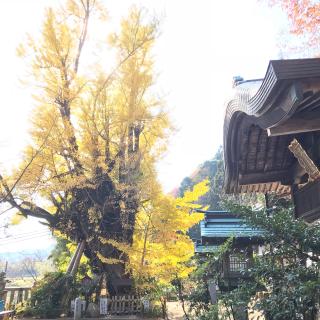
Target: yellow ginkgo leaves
[{"x": 161, "y": 247}]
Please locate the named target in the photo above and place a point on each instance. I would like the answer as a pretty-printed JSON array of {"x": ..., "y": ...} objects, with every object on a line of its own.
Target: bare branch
[
  {"x": 28, "y": 208},
  {"x": 83, "y": 35},
  {"x": 9, "y": 190},
  {"x": 114, "y": 70}
]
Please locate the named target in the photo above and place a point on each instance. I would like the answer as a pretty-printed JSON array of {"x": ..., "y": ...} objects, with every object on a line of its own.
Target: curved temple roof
[{"x": 261, "y": 120}]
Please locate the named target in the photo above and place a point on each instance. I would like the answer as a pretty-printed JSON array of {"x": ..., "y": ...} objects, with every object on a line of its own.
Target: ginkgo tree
[
  {"x": 161, "y": 246},
  {"x": 95, "y": 133}
]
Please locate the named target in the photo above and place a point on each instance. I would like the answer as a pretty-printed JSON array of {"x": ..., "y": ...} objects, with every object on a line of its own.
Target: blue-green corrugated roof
[{"x": 221, "y": 224}]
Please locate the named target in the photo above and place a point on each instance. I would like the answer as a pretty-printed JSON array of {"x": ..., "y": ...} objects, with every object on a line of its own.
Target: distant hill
[
  {"x": 19, "y": 255},
  {"x": 26, "y": 264},
  {"x": 213, "y": 170}
]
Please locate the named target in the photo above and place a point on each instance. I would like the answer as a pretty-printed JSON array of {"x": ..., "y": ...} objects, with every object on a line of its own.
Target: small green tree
[
  {"x": 284, "y": 281},
  {"x": 208, "y": 269}
]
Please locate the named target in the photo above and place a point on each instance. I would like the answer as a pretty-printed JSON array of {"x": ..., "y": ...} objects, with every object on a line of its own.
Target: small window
[{"x": 237, "y": 263}]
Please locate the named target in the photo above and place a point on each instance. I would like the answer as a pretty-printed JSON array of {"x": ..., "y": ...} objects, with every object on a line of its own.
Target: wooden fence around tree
[
  {"x": 116, "y": 305},
  {"x": 124, "y": 305}
]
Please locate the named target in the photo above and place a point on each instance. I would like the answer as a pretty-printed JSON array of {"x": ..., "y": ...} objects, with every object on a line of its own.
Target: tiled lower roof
[{"x": 199, "y": 248}]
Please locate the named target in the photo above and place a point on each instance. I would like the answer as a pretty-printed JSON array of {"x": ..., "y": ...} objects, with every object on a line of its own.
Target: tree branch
[
  {"x": 30, "y": 210},
  {"x": 83, "y": 35}
]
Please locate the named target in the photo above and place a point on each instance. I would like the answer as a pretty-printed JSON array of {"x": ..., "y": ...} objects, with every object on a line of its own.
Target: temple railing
[{"x": 15, "y": 295}]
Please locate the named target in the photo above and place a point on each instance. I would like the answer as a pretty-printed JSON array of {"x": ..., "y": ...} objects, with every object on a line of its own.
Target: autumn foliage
[
  {"x": 96, "y": 131},
  {"x": 161, "y": 246},
  {"x": 304, "y": 18}
]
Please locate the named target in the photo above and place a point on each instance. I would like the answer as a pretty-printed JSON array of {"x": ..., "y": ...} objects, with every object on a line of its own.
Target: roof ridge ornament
[{"x": 236, "y": 80}]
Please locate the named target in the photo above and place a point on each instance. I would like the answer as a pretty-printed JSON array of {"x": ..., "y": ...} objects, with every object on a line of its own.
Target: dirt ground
[{"x": 175, "y": 312}]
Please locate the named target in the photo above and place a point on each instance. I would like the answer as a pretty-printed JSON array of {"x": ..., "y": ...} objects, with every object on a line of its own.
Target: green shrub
[
  {"x": 154, "y": 312},
  {"x": 211, "y": 314},
  {"x": 50, "y": 296}
]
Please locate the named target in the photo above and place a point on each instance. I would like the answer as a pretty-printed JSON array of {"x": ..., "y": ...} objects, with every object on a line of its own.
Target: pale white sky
[{"x": 204, "y": 43}]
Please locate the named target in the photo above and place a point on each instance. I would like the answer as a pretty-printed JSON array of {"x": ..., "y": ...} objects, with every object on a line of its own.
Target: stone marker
[
  {"x": 146, "y": 305},
  {"x": 213, "y": 292},
  {"x": 103, "y": 305},
  {"x": 77, "y": 309}
]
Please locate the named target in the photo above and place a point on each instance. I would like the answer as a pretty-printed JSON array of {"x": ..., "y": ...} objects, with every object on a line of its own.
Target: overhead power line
[
  {"x": 25, "y": 234},
  {"x": 12, "y": 241}
]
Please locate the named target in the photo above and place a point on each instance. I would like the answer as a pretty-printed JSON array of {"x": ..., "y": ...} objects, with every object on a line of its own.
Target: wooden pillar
[
  {"x": 294, "y": 187},
  {"x": 26, "y": 294},
  {"x": 12, "y": 294},
  {"x": 267, "y": 201},
  {"x": 20, "y": 295}
]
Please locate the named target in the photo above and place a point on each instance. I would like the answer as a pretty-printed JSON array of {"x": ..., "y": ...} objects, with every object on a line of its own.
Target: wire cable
[
  {"x": 12, "y": 241},
  {"x": 13, "y": 237}
]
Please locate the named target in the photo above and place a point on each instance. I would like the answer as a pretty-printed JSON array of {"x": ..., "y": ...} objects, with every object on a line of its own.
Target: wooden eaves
[{"x": 262, "y": 119}]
